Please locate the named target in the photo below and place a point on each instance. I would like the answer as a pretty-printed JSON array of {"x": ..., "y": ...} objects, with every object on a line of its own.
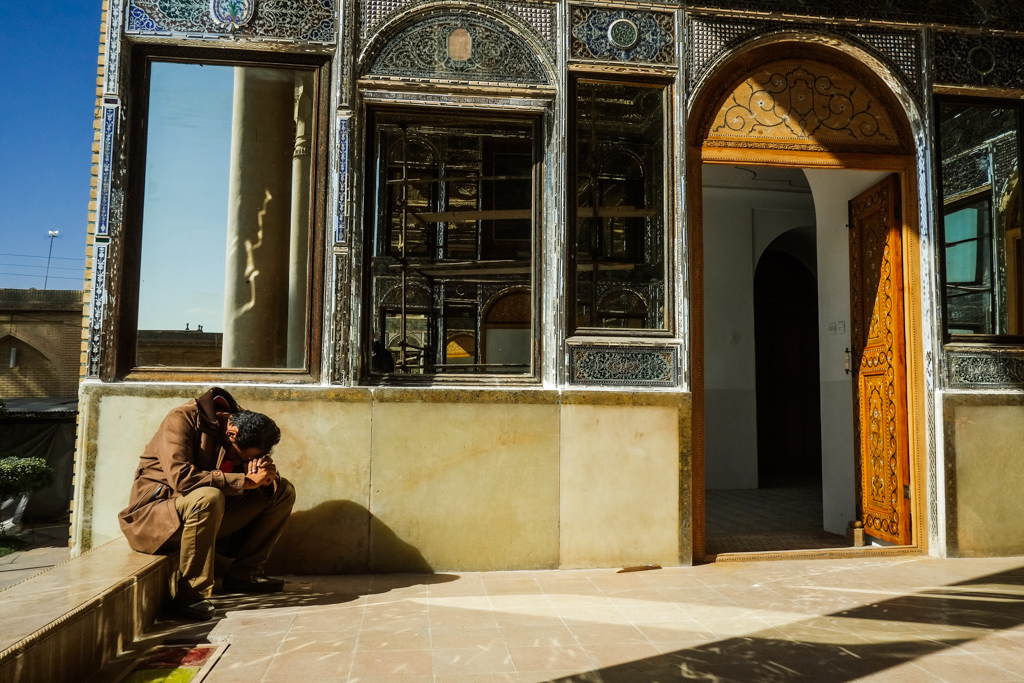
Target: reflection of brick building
[{"x": 40, "y": 342}]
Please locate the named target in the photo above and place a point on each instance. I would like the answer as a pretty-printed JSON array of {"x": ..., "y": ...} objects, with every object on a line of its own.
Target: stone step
[{"x": 65, "y": 623}]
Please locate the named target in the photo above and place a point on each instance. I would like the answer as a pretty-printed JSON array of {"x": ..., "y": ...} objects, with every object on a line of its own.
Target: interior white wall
[
  {"x": 738, "y": 225},
  {"x": 832, "y": 190}
]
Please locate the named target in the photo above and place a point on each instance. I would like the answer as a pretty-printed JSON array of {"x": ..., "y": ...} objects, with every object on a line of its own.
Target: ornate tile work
[
  {"x": 112, "y": 58},
  {"x": 708, "y": 38},
  {"x": 980, "y": 60},
  {"x": 374, "y": 12},
  {"x": 341, "y": 221},
  {"x": 108, "y": 132},
  {"x": 308, "y": 20},
  {"x": 339, "y": 355},
  {"x": 988, "y": 369},
  {"x": 622, "y": 35},
  {"x": 99, "y": 301},
  {"x": 541, "y": 17},
  {"x": 497, "y": 54},
  {"x": 514, "y": 103},
  {"x": 998, "y": 14},
  {"x": 624, "y": 366}
]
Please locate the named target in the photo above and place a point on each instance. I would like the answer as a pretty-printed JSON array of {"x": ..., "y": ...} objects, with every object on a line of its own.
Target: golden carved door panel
[{"x": 879, "y": 361}]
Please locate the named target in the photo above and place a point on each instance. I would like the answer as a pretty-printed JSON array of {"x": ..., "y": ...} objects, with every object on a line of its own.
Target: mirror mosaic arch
[
  {"x": 712, "y": 39},
  {"x": 486, "y": 50}
]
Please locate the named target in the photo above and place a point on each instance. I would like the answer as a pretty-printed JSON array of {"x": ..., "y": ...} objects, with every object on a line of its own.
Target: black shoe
[
  {"x": 253, "y": 584},
  {"x": 188, "y": 602}
]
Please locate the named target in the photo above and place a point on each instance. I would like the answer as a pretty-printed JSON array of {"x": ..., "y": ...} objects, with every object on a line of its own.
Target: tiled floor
[
  {"x": 49, "y": 547},
  {"x": 864, "y": 619},
  {"x": 751, "y": 520}
]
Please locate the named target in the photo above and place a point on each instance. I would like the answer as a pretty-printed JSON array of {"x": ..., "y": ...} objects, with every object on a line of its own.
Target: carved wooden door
[{"x": 879, "y": 361}]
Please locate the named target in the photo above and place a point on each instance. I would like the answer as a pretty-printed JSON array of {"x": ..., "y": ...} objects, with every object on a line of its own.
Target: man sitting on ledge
[{"x": 207, "y": 476}]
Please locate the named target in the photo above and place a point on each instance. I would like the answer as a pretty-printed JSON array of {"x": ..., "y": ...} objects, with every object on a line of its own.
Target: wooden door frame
[{"x": 906, "y": 167}]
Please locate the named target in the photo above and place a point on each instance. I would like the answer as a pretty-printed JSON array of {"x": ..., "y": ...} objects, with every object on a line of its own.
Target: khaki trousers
[{"x": 253, "y": 520}]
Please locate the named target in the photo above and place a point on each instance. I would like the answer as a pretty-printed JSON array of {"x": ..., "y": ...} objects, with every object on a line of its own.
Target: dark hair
[{"x": 255, "y": 430}]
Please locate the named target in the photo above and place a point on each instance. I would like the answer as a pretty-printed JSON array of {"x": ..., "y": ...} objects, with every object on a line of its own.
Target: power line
[
  {"x": 21, "y": 265},
  {"x": 55, "y": 277},
  {"x": 60, "y": 258}
]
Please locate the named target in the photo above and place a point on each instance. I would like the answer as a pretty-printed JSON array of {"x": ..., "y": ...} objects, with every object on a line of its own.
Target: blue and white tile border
[
  {"x": 108, "y": 133},
  {"x": 97, "y": 302}
]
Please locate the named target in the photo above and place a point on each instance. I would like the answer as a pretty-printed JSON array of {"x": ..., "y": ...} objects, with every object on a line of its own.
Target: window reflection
[
  {"x": 224, "y": 275},
  {"x": 620, "y": 244},
  {"x": 981, "y": 219}
]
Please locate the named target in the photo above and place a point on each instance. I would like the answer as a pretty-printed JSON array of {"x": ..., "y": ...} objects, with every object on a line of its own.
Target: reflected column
[
  {"x": 259, "y": 217},
  {"x": 298, "y": 267}
]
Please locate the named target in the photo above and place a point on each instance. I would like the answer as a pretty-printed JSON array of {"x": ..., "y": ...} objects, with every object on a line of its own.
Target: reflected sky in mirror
[{"x": 187, "y": 161}]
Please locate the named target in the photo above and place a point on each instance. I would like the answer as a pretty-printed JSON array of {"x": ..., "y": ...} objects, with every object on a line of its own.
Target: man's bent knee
[
  {"x": 204, "y": 500},
  {"x": 285, "y": 493}
]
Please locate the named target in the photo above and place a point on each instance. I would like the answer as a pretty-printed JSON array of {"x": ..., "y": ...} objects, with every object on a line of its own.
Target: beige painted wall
[
  {"x": 989, "y": 479},
  {"x": 420, "y": 480}
]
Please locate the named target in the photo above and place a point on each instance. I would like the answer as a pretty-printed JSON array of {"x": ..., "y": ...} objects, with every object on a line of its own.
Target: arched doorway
[{"x": 783, "y": 104}]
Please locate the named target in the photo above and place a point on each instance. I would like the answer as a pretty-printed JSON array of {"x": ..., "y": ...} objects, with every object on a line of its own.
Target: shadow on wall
[{"x": 342, "y": 537}]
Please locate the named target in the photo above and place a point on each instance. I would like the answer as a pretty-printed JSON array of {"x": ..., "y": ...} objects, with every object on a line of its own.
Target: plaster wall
[
  {"x": 738, "y": 225},
  {"x": 833, "y": 189},
  {"x": 418, "y": 480}
]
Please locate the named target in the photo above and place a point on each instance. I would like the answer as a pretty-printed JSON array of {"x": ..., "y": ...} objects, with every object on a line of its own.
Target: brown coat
[{"x": 183, "y": 455}]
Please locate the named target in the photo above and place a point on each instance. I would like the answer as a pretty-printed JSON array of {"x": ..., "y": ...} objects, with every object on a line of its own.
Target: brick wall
[{"x": 44, "y": 329}]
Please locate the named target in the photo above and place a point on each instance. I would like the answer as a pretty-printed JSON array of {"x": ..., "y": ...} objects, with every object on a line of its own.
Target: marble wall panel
[
  {"x": 989, "y": 480},
  {"x": 125, "y": 426},
  {"x": 619, "y": 485},
  {"x": 324, "y": 452},
  {"x": 470, "y": 486}
]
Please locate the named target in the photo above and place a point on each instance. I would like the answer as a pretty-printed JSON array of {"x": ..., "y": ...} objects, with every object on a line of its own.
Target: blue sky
[{"x": 46, "y": 119}]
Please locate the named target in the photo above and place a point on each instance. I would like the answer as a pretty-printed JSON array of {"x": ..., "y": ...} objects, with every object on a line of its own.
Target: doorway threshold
[{"x": 824, "y": 553}]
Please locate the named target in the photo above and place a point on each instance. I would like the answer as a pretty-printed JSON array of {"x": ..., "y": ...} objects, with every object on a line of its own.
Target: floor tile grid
[{"x": 594, "y": 613}]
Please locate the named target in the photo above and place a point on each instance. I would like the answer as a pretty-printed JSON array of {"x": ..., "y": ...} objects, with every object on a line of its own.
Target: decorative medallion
[
  {"x": 232, "y": 14},
  {"x": 622, "y": 35},
  {"x": 801, "y": 104},
  {"x": 462, "y": 47},
  {"x": 624, "y": 366}
]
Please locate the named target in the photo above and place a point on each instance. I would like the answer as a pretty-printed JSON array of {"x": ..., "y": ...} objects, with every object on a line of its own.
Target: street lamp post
[{"x": 53, "y": 234}]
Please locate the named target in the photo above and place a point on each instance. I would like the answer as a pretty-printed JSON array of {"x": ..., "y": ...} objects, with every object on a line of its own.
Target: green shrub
[{"x": 23, "y": 475}]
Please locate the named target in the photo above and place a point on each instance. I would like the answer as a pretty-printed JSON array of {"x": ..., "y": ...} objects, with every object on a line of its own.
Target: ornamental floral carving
[
  {"x": 806, "y": 103},
  {"x": 624, "y": 366},
  {"x": 308, "y": 20}
]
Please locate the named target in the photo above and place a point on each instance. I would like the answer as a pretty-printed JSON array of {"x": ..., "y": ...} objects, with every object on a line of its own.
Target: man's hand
[{"x": 260, "y": 472}]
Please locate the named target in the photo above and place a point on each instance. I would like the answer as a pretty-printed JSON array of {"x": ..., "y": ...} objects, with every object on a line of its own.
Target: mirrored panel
[
  {"x": 979, "y": 145},
  {"x": 620, "y": 205},
  {"x": 452, "y": 267},
  {"x": 224, "y": 273}
]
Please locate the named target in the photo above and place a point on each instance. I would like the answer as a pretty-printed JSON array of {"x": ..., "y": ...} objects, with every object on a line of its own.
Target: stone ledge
[{"x": 69, "y": 621}]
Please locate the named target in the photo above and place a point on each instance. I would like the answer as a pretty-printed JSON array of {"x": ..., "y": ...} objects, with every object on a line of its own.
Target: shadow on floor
[{"x": 816, "y": 652}]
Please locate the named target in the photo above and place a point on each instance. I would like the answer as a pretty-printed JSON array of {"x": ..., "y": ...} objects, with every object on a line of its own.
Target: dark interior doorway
[{"x": 787, "y": 378}]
